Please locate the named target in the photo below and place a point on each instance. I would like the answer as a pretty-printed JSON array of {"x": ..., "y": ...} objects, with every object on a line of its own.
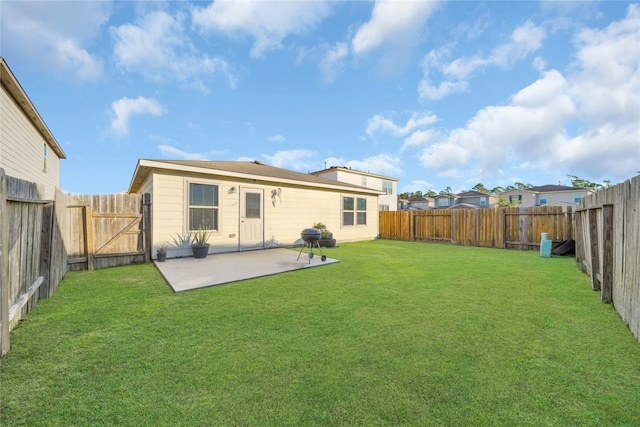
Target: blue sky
[{"x": 436, "y": 94}]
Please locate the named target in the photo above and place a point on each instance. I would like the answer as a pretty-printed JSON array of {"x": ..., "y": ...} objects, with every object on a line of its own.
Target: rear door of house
[{"x": 251, "y": 218}]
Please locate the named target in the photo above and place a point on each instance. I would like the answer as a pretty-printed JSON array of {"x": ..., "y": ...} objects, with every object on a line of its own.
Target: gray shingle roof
[{"x": 254, "y": 169}]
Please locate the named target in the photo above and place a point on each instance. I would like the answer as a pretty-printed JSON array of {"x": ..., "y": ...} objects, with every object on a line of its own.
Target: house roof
[
  {"x": 12, "y": 86},
  {"x": 548, "y": 189},
  {"x": 447, "y": 195},
  {"x": 552, "y": 188},
  {"x": 355, "y": 171},
  {"x": 472, "y": 194},
  {"x": 242, "y": 170}
]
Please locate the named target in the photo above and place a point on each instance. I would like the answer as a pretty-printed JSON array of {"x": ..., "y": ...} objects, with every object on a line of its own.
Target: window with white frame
[
  {"x": 443, "y": 201},
  {"x": 515, "y": 199},
  {"x": 383, "y": 208},
  {"x": 543, "y": 199},
  {"x": 364, "y": 181},
  {"x": 387, "y": 187},
  {"x": 483, "y": 201},
  {"x": 577, "y": 197},
  {"x": 203, "y": 206},
  {"x": 354, "y": 211}
]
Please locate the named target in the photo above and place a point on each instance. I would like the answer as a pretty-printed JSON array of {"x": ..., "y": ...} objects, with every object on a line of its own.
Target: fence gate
[{"x": 108, "y": 230}]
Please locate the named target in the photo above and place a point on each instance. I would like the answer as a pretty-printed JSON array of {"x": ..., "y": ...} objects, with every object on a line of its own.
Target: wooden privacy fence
[
  {"x": 495, "y": 227},
  {"x": 607, "y": 247},
  {"x": 107, "y": 230},
  {"x": 31, "y": 251},
  {"x": 41, "y": 239}
]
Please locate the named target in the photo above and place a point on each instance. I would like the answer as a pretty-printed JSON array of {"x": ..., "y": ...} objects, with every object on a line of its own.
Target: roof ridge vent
[{"x": 258, "y": 162}]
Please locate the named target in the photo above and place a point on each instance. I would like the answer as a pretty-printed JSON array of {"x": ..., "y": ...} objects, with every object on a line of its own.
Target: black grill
[{"x": 311, "y": 236}]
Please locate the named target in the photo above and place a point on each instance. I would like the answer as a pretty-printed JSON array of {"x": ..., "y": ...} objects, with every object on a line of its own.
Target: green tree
[{"x": 480, "y": 187}]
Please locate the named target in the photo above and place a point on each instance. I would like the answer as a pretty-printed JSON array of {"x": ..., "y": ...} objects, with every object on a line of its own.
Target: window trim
[
  {"x": 576, "y": 200},
  {"x": 544, "y": 197},
  {"x": 187, "y": 205},
  {"x": 387, "y": 187},
  {"x": 355, "y": 210}
]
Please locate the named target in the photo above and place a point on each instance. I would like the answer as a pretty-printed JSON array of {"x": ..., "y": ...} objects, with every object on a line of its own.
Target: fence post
[
  {"x": 45, "y": 248},
  {"x": 89, "y": 246},
  {"x": 607, "y": 254},
  {"x": 147, "y": 226},
  {"x": 595, "y": 259},
  {"x": 4, "y": 260}
]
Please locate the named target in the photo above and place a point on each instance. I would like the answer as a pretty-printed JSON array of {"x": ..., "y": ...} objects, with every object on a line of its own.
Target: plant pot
[
  {"x": 200, "y": 251},
  {"x": 327, "y": 242},
  {"x": 162, "y": 256}
]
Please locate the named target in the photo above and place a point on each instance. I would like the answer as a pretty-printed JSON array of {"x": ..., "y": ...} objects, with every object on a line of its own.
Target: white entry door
[{"x": 251, "y": 219}]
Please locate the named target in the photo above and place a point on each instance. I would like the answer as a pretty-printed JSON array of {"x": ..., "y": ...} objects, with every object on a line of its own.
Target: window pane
[
  {"x": 203, "y": 218},
  {"x": 387, "y": 187},
  {"x": 347, "y": 203},
  {"x": 347, "y": 218},
  {"x": 362, "y": 218},
  {"x": 362, "y": 204},
  {"x": 203, "y": 195},
  {"x": 252, "y": 205}
]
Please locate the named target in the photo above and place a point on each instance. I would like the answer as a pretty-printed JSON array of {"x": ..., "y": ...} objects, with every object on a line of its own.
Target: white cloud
[
  {"x": 174, "y": 153},
  {"x": 50, "y": 34},
  {"x": 379, "y": 124},
  {"x": 333, "y": 61},
  {"x": 276, "y": 138},
  {"x": 524, "y": 40},
  {"x": 297, "y": 160},
  {"x": 126, "y": 108},
  {"x": 420, "y": 138},
  {"x": 267, "y": 22},
  {"x": 394, "y": 22},
  {"x": 382, "y": 164},
  {"x": 599, "y": 100},
  {"x": 159, "y": 48},
  {"x": 529, "y": 129},
  {"x": 430, "y": 92}
]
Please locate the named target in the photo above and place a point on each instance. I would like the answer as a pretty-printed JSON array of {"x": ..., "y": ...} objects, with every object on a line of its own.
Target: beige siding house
[
  {"x": 250, "y": 205},
  {"x": 28, "y": 150},
  {"x": 546, "y": 195},
  {"x": 388, "y": 201}
]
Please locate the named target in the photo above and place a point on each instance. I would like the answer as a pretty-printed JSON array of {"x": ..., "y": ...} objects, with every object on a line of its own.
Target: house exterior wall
[
  {"x": 371, "y": 181},
  {"x": 528, "y": 197},
  {"x": 561, "y": 197},
  {"x": 285, "y": 216},
  {"x": 22, "y": 149}
]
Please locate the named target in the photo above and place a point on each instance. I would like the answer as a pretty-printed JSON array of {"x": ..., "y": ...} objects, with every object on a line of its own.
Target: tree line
[{"x": 576, "y": 182}]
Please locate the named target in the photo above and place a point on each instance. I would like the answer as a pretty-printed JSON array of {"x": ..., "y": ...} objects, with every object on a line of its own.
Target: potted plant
[
  {"x": 161, "y": 252},
  {"x": 199, "y": 245},
  {"x": 326, "y": 238}
]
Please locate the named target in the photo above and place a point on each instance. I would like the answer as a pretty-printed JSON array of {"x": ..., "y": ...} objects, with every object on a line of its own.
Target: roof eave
[{"x": 153, "y": 164}]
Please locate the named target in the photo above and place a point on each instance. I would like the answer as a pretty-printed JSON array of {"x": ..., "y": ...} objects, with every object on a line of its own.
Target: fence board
[
  {"x": 614, "y": 214},
  {"x": 494, "y": 228}
]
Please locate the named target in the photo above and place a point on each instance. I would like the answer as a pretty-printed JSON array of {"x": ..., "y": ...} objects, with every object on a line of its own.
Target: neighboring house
[
  {"x": 546, "y": 195},
  {"x": 389, "y": 186},
  {"x": 465, "y": 200},
  {"x": 250, "y": 205},
  {"x": 28, "y": 150},
  {"x": 416, "y": 203}
]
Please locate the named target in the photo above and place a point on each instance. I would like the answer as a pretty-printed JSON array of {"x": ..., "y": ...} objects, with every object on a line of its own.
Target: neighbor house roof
[
  {"x": 355, "y": 171},
  {"x": 552, "y": 188},
  {"x": 12, "y": 86},
  {"x": 548, "y": 189},
  {"x": 242, "y": 170},
  {"x": 472, "y": 194}
]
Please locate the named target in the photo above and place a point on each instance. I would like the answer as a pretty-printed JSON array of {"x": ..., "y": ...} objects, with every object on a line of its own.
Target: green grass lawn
[{"x": 397, "y": 333}]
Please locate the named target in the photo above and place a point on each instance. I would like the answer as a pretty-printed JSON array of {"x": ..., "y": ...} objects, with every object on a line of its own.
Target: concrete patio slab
[{"x": 184, "y": 274}]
